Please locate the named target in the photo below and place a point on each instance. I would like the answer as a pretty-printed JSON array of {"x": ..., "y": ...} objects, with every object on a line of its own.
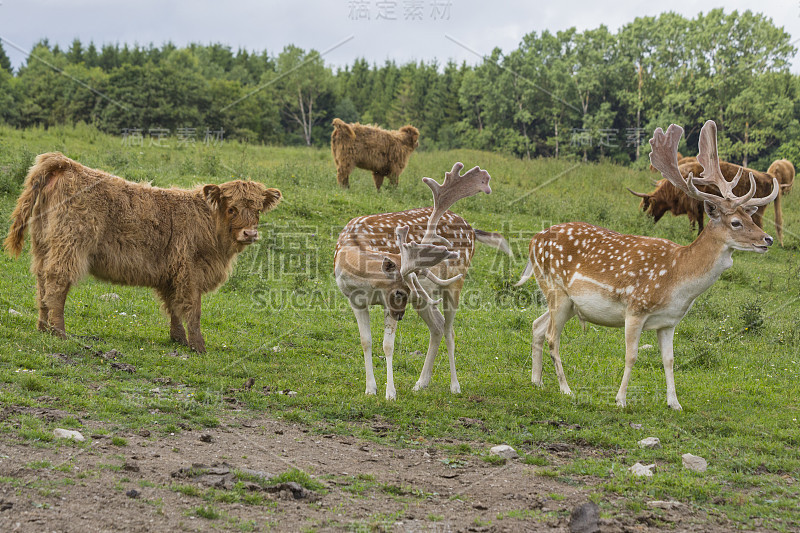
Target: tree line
[{"x": 586, "y": 95}]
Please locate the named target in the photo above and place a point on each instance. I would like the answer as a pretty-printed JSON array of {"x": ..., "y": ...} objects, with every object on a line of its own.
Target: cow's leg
[
  {"x": 61, "y": 269},
  {"x": 42, "y": 324},
  {"x": 377, "y": 177},
  {"x": 393, "y": 178},
  {"x": 55, "y": 296},
  {"x": 431, "y": 316},
  {"x": 389, "y": 331},
  {"x": 195, "y": 337},
  {"x": 343, "y": 171},
  {"x": 362, "y": 317},
  {"x": 539, "y": 330},
  {"x": 176, "y": 331}
]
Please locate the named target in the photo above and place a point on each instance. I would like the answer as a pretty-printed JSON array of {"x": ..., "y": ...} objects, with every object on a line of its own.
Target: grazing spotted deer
[
  {"x": 392, "y": 259},
  {"x": 642, "y": 283}
]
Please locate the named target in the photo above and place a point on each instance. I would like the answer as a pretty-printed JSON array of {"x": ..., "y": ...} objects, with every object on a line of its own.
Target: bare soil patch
[{"x": 187, "y": 482}]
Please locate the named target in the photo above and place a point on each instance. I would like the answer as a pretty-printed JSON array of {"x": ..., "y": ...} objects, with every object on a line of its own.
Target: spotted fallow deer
[
  {"x": 392, "y": 259},
  {"x": 642, "y": 283}
]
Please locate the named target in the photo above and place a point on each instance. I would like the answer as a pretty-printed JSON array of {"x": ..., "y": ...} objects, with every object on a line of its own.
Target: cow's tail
[
  {"x": 342, "y": 127},
  {"x": 526, "y": 274},
  {"x": 38, "y": 176},
  {"x": 495, "y": 240}
]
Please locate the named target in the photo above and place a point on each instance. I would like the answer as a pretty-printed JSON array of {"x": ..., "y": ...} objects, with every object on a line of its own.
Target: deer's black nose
[{"x": 769, "y": 240}]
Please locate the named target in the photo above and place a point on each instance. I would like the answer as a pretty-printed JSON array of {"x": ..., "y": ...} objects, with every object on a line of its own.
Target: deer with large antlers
[
  {"x": 392, "y": 259},
  {"x": 642, "y": 283}
]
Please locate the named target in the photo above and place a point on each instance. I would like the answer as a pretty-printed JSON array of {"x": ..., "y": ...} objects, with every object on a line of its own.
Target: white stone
[
  {"x": 666, "y": 505},
  {"x": 14, "y": 312},
  {"x": 68, "y": 434},
  {"x": 694, "y": 462},
  {"x": 645, "y": 347},
  {"x": 642, "y": 470},
  {"x": 110, "y": 297},
  {"x": 650, "y": 442},
  {"x": 504, "y": 450}
]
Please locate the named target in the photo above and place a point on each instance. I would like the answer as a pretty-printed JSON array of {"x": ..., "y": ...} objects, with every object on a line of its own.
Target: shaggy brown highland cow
[
  {"x": 383, "y": 152},
  {"x": 180, "y": 242},
  {"x": 666, "y": 198},
  {"x": 783, "y": 169}
]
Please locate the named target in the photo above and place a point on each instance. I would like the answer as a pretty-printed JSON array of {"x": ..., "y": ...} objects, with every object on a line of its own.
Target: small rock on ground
[
  {"x": 110, "y": 297},
  {"x": 650, "y": 442},
  {"x": 666, "y": 505},
  {"x": 639, "y": 469},
  {"x": 14, "y": 312},
  {"x": 585, "y": 518},
  {"x": 694, "y": 462},
  {"x": 68, "y": 434},
  {"x": 505, "y": 451}
]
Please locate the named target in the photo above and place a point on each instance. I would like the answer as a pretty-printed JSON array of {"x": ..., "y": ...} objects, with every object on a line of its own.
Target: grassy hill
[{"x": 281, "y": 320}]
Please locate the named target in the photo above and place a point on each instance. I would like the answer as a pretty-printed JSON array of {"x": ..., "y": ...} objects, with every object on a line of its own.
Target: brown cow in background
[
  {"x": 384, "y": 153},
  {"x": 666, "y": 198},
  {"x": 783, "y": 169},
  {"x": 182, "y": 243}
]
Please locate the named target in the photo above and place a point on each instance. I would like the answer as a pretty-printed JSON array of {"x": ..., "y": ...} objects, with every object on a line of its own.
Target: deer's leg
[
  {"x": 389, "y": 331},
  {"x": 665, "y": 336},
  {"x": 450, "y": 341},
  {"x": 633, "y": 330},
  {"x": 560, "y": 312},
  {"x": 433, "y": 318},
  {"x": 362, "y": 317},
  {"x": 539, "y": 329}
]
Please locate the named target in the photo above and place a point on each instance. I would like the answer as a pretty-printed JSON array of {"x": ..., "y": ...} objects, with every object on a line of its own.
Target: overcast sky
[{"x": 402, "y": 30}]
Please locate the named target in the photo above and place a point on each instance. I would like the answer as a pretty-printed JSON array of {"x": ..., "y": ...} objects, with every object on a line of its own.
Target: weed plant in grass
[{"x": 281, "y": 320}]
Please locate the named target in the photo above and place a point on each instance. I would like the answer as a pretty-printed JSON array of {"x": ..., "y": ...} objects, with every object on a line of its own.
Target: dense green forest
[{"x": 586, "y": 95}]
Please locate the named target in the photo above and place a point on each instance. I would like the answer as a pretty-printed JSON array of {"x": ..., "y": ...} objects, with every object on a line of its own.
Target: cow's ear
[
  {"x": 213, "y": 195},
  {"x": 271, "y": 198}
]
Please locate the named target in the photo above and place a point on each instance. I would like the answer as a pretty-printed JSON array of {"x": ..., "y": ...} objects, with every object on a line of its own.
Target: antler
[
  {"x": 664, "y": 158},
  {"x": 417, "y": 259},
  {"x": 455, "y": 187}
]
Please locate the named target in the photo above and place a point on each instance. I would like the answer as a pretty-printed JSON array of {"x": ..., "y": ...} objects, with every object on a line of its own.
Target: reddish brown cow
[
  {"x": 182, "y": 243},
  {"x": 783, "y": 169},
  {"x": 667, "y": 198},
  {"x": 383, "y": 152}
]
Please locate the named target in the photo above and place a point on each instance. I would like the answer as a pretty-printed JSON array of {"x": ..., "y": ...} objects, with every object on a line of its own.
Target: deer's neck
[{"x": 702, "y": 262}]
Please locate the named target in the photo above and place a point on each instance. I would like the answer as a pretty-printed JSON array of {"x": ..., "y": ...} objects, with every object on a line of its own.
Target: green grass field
[{"x": 281, "y": 320}]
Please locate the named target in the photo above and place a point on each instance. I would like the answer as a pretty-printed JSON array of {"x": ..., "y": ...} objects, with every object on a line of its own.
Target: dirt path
[{"x": 367, "y": 487}]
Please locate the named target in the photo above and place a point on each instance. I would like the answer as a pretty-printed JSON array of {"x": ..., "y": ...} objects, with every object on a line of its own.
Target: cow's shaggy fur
[
  {"x": 667, "y": 198},
  {"x": 783, "y": 169},
  {"x": 182, "y": 243},
  {"x": 385, "y": 153}
]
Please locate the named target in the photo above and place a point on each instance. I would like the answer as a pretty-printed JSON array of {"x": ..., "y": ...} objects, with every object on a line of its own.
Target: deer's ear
[
  {"x": 390, "y": 268},
  {"x": 750, "y": 209},
  {"x": 711, "y": 210}
]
